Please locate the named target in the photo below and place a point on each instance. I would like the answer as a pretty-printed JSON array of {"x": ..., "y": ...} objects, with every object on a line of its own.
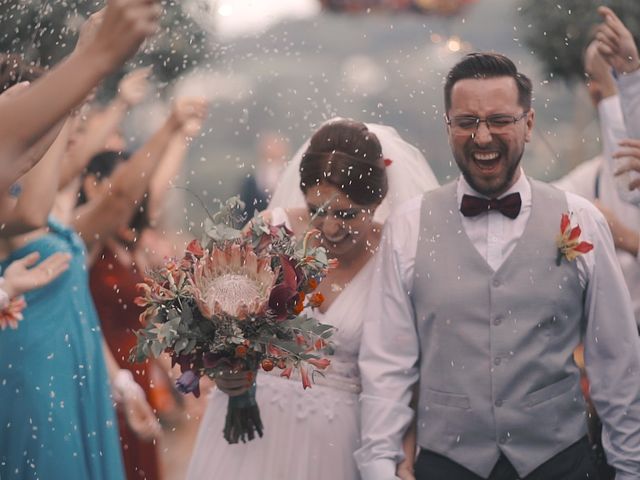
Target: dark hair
[
  {"x": 348, "y": 156},
  {"x": 14, "y": 69},
  {"x": 102, "y": 166},
  {"x": 481, "y": 65}
]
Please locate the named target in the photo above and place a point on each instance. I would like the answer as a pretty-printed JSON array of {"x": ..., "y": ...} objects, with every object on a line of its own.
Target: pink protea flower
[{"x": 233, "y": 282}]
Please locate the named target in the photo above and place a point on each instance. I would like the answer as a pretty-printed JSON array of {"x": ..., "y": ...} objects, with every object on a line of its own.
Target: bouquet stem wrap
[{"x": 243, "y": 417}]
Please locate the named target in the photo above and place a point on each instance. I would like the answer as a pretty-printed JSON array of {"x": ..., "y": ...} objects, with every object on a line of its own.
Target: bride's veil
[{"x": 408, "y": 173}]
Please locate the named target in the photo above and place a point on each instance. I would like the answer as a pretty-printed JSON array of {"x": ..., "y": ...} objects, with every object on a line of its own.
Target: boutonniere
[{"x": 568, "y": 241}]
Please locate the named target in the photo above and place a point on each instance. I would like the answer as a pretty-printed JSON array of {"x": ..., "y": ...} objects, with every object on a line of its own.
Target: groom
[{"x": 476, "y": 305}]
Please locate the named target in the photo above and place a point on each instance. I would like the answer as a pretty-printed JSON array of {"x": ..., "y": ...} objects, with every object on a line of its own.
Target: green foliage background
[{"x": 559, "y": 30}]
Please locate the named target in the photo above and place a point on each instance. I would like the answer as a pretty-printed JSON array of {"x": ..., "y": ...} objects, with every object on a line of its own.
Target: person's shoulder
[
  {"x": 587, "y": 214},
  {"x": 578, "y": 203},
  {"x": 407, "y": 209}
]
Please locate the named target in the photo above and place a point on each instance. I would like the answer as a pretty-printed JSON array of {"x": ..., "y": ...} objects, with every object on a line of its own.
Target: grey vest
[{"x": 496, "y": 366}]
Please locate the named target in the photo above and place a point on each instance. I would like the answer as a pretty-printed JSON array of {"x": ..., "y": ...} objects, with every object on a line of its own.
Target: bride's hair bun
[{"x": 347, "y": 155}]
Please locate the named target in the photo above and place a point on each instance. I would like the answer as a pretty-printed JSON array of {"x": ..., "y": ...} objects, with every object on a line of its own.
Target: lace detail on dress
[{"x": 289, "y": 397}]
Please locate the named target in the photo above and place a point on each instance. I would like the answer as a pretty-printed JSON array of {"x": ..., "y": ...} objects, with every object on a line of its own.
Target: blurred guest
[
  {"x": 53, "y": 378},
  {"x": 121, "y": 253},
  {"x": 256, "y": 189},
  {"x": 618, "y": 105}
]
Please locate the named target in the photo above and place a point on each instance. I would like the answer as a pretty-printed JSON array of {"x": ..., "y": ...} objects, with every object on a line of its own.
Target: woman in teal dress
[{"x": 57, "y": 419}]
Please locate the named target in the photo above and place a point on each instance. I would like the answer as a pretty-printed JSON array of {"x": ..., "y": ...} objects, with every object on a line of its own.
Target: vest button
[
  {"x": 498, "y": 403},
  {"x": 496, "y": 283},
  {"x": 497, "y": 360},
  {"x": 497, "y": 320}
]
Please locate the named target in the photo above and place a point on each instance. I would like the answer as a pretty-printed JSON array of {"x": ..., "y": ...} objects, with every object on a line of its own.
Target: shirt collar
[{"x": 522, "y": 186}]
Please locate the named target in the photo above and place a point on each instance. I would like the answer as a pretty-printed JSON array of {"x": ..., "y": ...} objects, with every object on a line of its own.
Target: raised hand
[
  {"x": 615, "y": 43},
  {"x": 630, "y": 152},
  {"x": 134, "y": 86},
  {"x": 116, "y": 32},
  {"x": 188, "y": 113},
  {"x": 19, "y": 278}
]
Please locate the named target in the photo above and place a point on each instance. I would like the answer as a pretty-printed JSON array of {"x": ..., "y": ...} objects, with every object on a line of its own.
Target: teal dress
[{"x": 57, "y": 419}]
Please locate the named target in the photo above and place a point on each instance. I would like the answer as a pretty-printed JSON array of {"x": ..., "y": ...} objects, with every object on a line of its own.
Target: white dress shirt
[{"x": 390, "y": 351}]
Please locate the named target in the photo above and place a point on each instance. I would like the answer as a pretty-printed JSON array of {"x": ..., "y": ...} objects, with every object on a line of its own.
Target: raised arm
[
  {"x": 101, "y": 216},
  {"x": 38, "y": 190},
  {"x": 620, "y": 118},
  {"x": 172, "y": 162},
  {"x": 101, "y": 124},
  {"x": 122, "y": 27}
]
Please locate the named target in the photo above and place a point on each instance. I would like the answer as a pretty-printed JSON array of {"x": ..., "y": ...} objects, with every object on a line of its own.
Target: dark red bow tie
[{"x": 509, "y": 205}]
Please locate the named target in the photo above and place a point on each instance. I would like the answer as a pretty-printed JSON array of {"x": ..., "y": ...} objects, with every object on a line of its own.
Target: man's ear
[{"x": 530, "y": 123}]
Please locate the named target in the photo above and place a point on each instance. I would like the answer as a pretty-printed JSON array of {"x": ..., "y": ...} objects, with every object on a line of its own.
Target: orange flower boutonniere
[{"x": 568, "y": 241}]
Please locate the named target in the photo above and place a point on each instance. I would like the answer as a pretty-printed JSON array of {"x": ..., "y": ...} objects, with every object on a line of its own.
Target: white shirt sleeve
[
  {"x": 612, "y": 345},
  {"x": 389, "y": 350},
  {"x": 620, "y": 119}
]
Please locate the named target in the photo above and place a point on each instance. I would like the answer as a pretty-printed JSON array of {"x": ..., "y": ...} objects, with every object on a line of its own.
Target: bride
[{"x": 343, "y": 182}]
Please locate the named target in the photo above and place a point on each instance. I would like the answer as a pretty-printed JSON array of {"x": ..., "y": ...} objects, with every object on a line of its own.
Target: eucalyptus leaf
[{"x": 157, "y": 348}]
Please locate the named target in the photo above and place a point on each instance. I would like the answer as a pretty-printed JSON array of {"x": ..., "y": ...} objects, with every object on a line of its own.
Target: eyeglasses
[{"x": 498, "y": 123}]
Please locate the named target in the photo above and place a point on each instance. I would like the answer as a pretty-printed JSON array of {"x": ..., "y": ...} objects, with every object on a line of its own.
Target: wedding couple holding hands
[{"x": 457, "y": 320}]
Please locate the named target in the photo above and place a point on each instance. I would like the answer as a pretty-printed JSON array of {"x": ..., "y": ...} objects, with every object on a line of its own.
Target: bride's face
[{"x": 345, "y": 226}]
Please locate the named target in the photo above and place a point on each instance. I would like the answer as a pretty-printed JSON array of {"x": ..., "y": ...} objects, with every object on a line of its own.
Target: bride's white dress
[
  {"x": 308, "y": 434},
  {"x": 311, "y": 434}
]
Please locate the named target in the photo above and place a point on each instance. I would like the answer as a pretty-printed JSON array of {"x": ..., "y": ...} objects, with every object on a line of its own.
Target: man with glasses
[{"x": 479, "y": 301}]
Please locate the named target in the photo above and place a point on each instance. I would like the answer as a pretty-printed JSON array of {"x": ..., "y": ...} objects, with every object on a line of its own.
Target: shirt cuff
[
  {"x": 382, "y": 469},
  {"x": 629, "y": 79}
]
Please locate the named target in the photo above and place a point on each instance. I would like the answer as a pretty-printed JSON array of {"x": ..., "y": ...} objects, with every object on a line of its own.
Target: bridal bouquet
[{"x": 235, "y": 302}]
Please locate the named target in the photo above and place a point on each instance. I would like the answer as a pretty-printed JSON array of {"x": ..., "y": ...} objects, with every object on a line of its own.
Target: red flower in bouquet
[
  {"x": 285, "y": 291},
  {"x": 568, "y": 241},
  {"x": 194, "y": 248}
]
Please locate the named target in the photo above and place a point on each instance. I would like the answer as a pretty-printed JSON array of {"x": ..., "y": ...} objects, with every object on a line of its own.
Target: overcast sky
[{"x": 241, "y": 17}]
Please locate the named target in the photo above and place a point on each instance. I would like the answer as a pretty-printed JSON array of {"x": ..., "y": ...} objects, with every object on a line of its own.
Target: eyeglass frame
[{"x": 486, "y": 120}]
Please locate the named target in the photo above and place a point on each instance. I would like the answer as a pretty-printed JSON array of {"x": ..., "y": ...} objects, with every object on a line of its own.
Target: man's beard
[{"x": 487, "y": 189}]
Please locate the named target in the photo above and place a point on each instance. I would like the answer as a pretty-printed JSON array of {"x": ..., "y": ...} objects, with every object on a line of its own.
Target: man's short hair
[{"x": 480, "y": 65}]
